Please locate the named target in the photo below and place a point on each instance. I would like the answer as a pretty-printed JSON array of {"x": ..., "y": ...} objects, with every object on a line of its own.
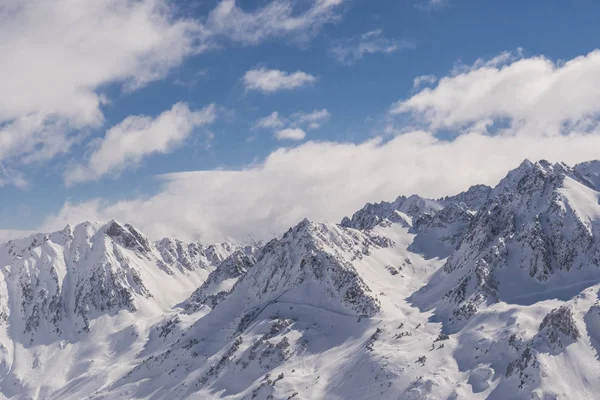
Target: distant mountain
[{"x": 489, "y": 294}]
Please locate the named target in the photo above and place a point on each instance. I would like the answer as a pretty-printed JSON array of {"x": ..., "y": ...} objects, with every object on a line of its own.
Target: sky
[{"x": 219, "y": 119}]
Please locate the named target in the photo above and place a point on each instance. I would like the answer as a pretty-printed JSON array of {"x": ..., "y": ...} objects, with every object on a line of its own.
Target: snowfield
[{"x": 489, "y": 294}]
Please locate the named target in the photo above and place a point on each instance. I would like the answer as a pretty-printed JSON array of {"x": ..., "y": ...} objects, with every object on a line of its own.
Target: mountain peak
[
  {"x": 312, "y": 256},
  {"x": 590, "y": 172},
  {"x": 401, "y": 210},
  {"x": 537, "y": 232},
  {"x": 529, "y": 177},
  {"x": 128, "y": 236}
]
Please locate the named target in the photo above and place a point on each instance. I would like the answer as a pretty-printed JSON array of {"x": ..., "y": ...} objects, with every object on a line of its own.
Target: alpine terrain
[{"x": 493, "y": 293}]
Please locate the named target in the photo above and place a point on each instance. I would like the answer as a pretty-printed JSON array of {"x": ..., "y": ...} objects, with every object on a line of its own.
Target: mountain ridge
[{"x": 490, "y": 293}]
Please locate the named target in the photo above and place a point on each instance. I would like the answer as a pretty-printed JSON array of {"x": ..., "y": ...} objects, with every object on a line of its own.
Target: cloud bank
[
  {"x": 127, "y": 143},
  {"x": 324, "y": 181},
  {"x": 500, "y": 111}
]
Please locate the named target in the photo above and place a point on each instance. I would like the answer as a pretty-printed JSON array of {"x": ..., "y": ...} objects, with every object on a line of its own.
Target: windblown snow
[{"x": 493, "y": 293}]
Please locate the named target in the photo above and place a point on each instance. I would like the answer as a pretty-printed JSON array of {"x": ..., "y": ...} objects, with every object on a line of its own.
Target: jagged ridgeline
[{"x": 488, "y": 294}]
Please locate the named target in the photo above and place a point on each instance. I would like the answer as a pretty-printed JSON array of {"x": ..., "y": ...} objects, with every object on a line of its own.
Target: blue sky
[{"x": 355, "y": 94}]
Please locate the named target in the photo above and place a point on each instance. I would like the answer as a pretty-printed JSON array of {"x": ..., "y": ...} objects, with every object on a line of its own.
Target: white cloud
[
  {"x": 11, "y": 177},
  {"x": 533, "y": 94},
  {"x": 312, "y": 120},
  {"x": 273, "y": 80},
  {"x": 50, "y": 81},
  {"x": 47, "y": 72},
  {"x": 295, "y": 124},
  {"x": 59, "y": 56},
  {"x": 424, "y": 79},
  {"x": 348, "y": 51},
  {"x": 271, "y": 121},
  {"x": 323, "y": 181},
  {"x": 136, "y": 137},
  {"x": 290, "y": 134},
  {"x": 276, "y": 19}
]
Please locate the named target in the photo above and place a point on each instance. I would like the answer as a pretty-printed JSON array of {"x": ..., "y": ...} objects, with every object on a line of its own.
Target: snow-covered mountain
[
  {"x": 62, "y": 294},
  {"x": 536, "y": 236},
  {"x": 491, "y": 293}
]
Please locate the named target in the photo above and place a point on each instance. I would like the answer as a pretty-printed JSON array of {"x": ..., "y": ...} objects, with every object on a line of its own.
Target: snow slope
[
  {"x": 491, "y": 293},
  {"x": 79, "y": 297}
]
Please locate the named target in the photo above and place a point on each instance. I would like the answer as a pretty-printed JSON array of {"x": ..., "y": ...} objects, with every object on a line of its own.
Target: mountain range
[{"x": 492, "y": 293}]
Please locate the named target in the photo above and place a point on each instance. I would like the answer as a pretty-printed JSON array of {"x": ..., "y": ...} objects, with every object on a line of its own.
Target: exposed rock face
[
  {"x": 439, "y": 224},
  {"x": 399, "y": 211},
  {"x": 557, "y": 330},
  {"x": 64, "y": 279},
  {"x": 220, "y": 282},
  {"x": 442, "y": 231},
  {"x": 313, "y": 254},
  {"x": 532, "y": 222},
  {"x": 128, "y": 237},
  {"x": 191, "y": 256},
  {"x": 473, "y": 198}
]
